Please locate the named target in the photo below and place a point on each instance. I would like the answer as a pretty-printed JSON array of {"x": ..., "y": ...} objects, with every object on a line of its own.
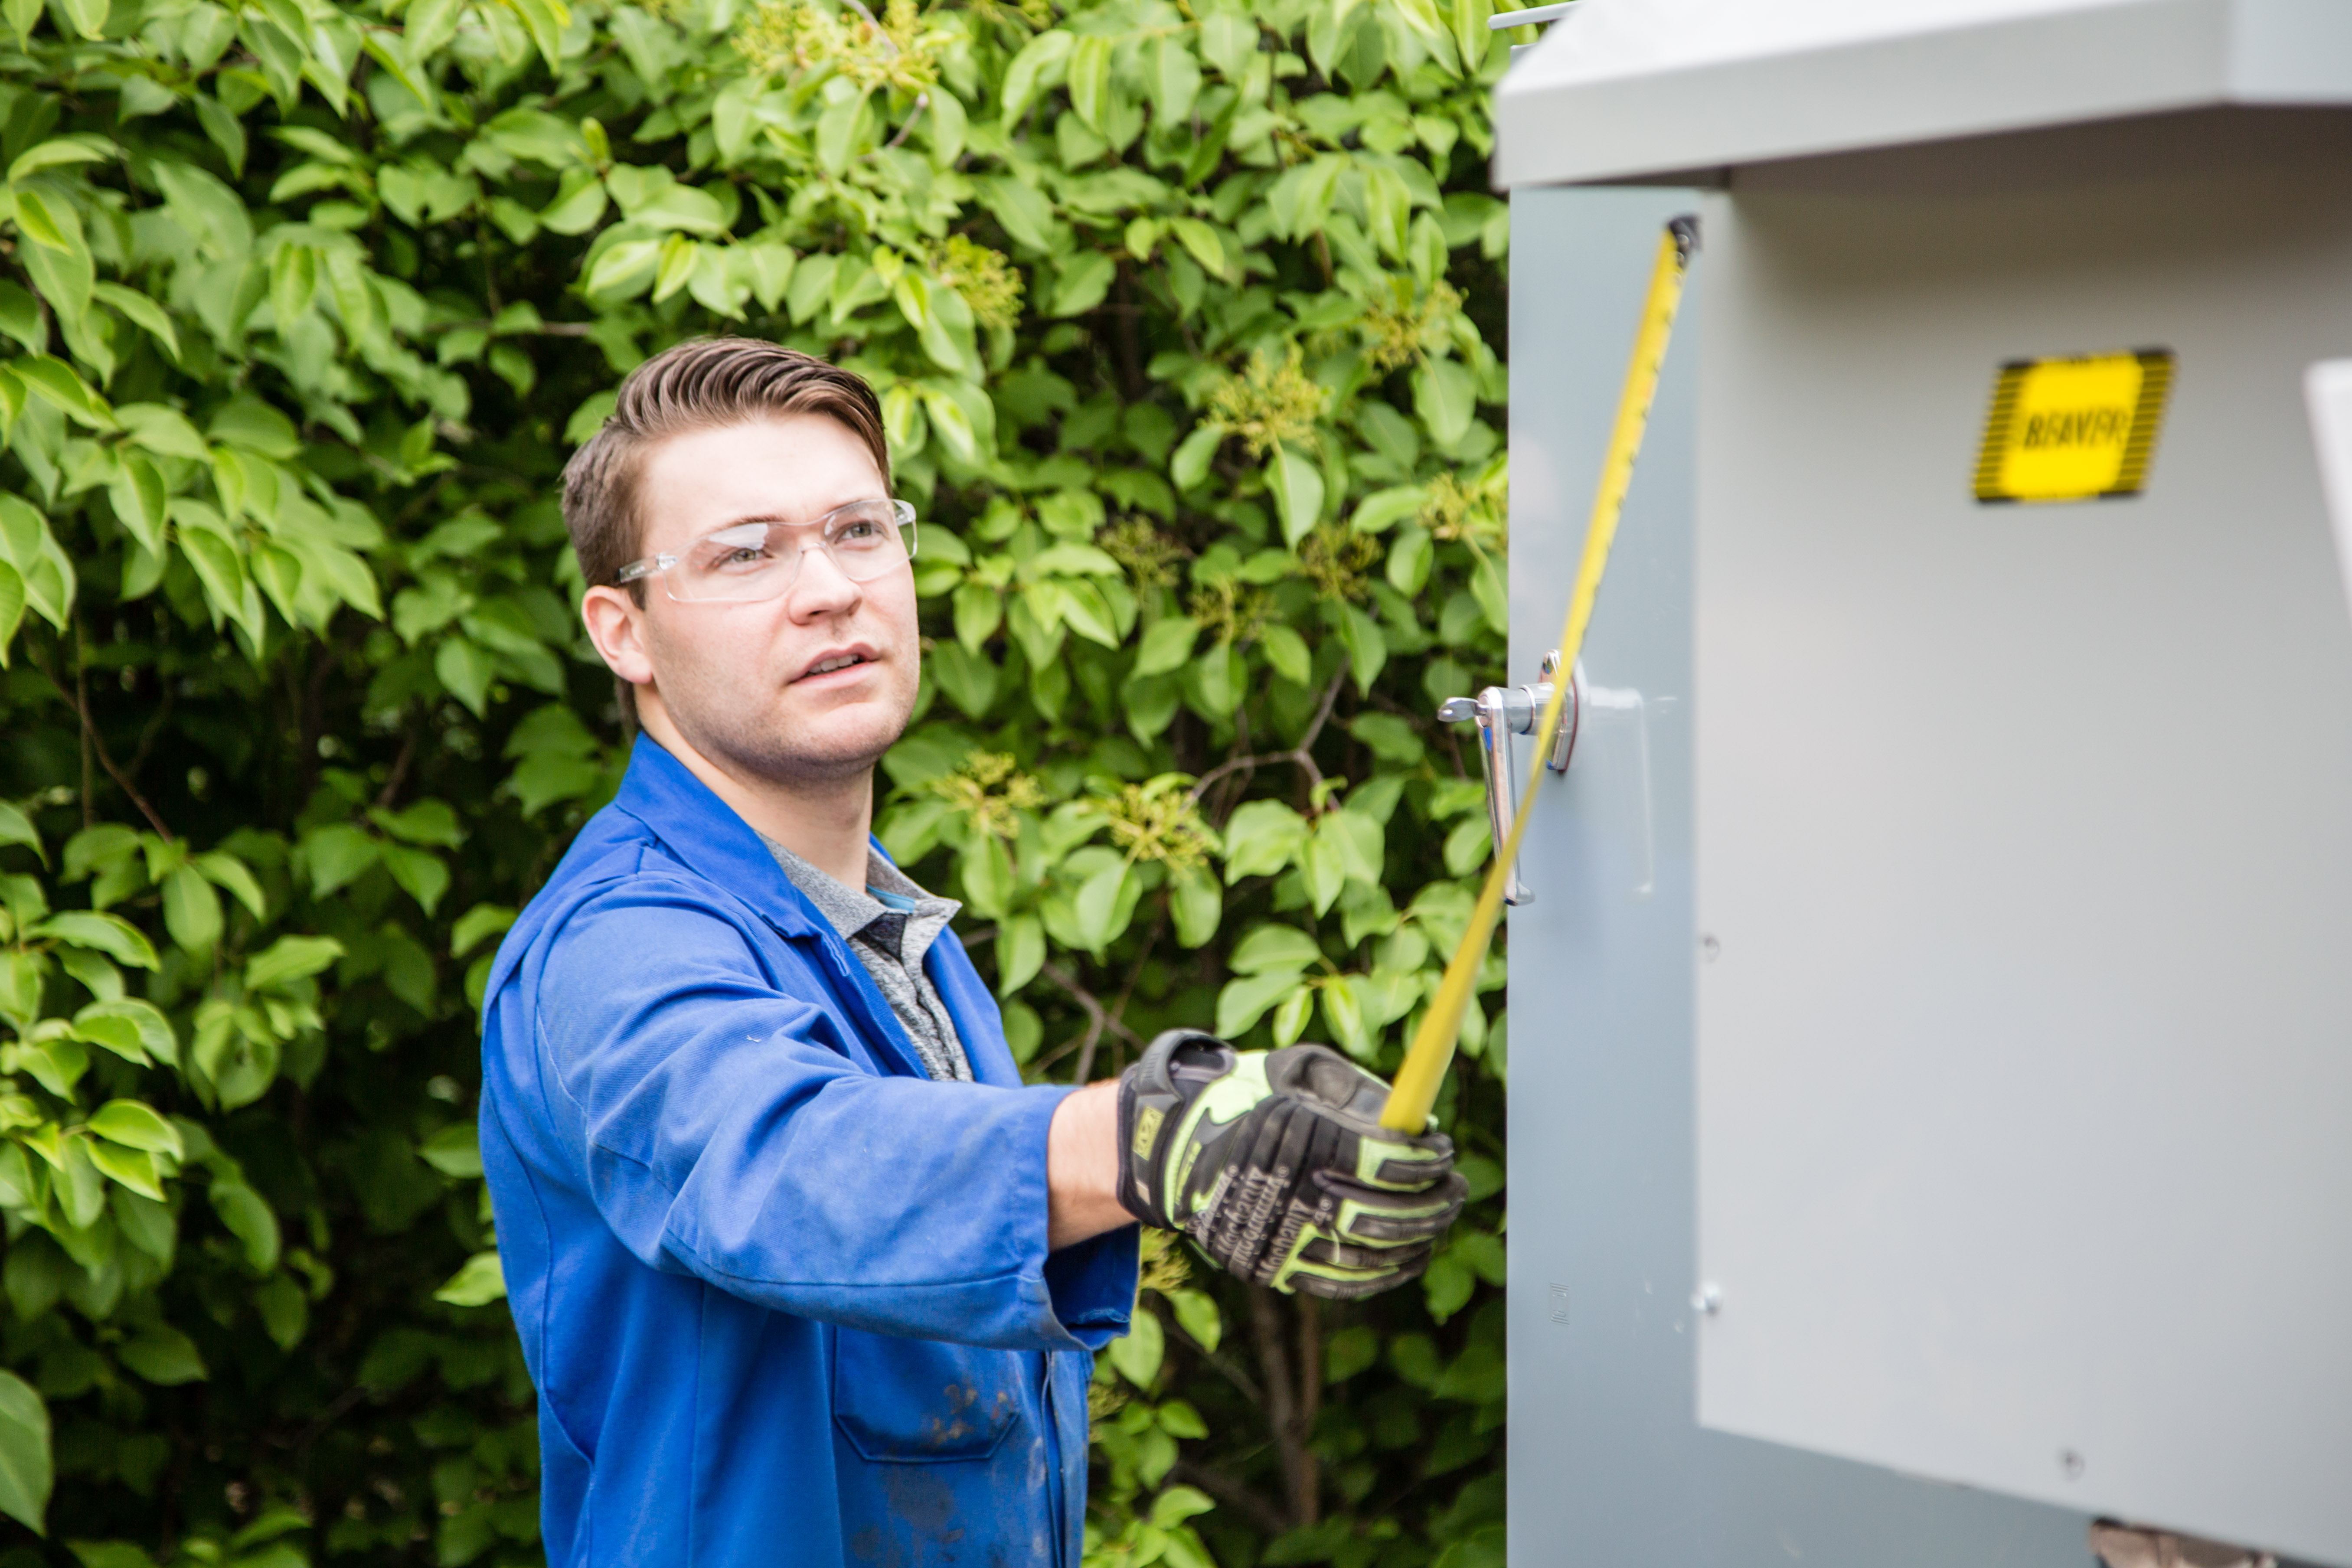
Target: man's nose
[{"x": 821, "y": 588}]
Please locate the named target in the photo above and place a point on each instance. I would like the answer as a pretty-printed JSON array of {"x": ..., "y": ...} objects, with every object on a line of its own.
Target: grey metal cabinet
[{"x": 1932, "y": 1106}]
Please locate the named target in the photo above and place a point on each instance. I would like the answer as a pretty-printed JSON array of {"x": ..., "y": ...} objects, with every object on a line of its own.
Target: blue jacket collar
[{"x": 705, "y": 832}]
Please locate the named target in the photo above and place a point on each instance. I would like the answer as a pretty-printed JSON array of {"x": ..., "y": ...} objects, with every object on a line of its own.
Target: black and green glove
[{"x": 1277, "y": 1164}]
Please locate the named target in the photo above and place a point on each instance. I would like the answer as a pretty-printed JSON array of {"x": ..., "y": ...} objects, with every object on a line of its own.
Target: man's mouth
[{"x": 832, "y": 662}]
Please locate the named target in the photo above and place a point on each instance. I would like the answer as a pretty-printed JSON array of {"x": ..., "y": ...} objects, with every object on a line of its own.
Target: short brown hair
[{"x": 699, "y": 385}]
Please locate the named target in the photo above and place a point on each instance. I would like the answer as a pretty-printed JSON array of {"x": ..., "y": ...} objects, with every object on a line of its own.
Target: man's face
[{"x": 741, "y": 682}]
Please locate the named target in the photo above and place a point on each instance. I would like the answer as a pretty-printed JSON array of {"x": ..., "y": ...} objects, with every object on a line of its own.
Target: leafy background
[{"x": 1184, "y": 314}]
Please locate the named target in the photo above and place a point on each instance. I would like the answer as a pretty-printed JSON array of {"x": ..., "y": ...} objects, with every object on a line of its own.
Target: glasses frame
[{"x": 659, "y": 565}]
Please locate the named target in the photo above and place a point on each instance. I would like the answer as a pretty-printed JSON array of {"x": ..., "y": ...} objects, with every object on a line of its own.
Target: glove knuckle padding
[{"x": 1277, "y": 1166}]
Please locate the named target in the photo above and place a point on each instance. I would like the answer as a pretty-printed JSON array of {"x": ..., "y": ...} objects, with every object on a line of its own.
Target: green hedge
[{"x": 1182, "y": 315}]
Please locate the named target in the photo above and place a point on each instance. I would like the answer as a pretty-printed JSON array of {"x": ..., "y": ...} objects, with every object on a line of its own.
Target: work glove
[{"x": 1277, "y": 1164}]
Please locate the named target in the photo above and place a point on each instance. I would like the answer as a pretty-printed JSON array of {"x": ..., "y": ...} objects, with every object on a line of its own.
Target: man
[{"x": 804, "y": 1272}]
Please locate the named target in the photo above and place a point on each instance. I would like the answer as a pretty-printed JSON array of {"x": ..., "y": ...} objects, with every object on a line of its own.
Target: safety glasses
[{"x": 756, "y": 560}]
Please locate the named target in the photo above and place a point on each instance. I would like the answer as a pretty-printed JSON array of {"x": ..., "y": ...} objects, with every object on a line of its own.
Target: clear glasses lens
[{"x": 760, "y": 560}]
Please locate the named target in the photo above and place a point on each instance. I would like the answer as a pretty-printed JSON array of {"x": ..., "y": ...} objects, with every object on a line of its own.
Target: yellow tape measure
[{"x": 1431, "y": 1052}]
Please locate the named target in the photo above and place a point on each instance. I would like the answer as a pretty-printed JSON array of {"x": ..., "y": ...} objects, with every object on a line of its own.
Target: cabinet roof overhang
[{"x": 1679, "y": 91}]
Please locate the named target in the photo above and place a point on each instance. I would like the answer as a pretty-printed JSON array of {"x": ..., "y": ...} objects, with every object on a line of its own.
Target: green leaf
[
  {"x": 249, "y": 1220},
  {"x": 422, "y": 875},
  {"x": 1175, "y": 82},
  {"x": 1084, "y": 279},
  {"x": 110, "y": 934},
  {"x": 1177, "y": 1504},
  {"x": 1260, "y": 839},
  {"x": 1190, "y": 466},
  {"x": 480, "y": 1282},
  {"x": 1138, "y": 1353},
  {"x": 134, "y": 1030},
  {"x": 1167, "y": 645},
  {"x": 1196, "y": 903},
  {"x": 56, "y": 384},
  {"x": 289, "y": 959},
  {"x": 1038, "y": 66},
  {"x": 429, "y": 822},
  {"x": 1286, "y": 652},
  {"x": 1090, "y": 80},
  {"x": 1297, "y": 484},
  {"x": 1343, "y": 1009},
  {"x": 455, "y": 1150},
  {"x": 12, "y": 607},
  {"x": 248, "y": 422},
  {"x": 1244, "y": 1000},
  {"x": 838, "y": 131},
  {"x": 1290, "y": 1018},
  {"x": 1229, "y": 41},
  {"x": 20, "y": 318},
  {"x": 337, "y": 854},
  {"x": 229, "y": 873},
  {"x": 1321, "y": 863},
  {"x": 1482, "y": 1251},
  {"x": 293, "y": 284},
  {"x": 1472, "y": 37},
  {"x": 476, "y": 926},
  {"x": 15, "y": 828},
  {"x": 1020, "y": 952},
  {"x": 1021, "y": 208},
  {"x": 546, "y": 20},
  {"x": 1275, "y": 946},
  {"x": 1367, "y": 644},
  {"x": 25, "y": 1472},
  {"x": 43, "y": 222},
  {"x": 1445, "y": 396},
  {"x": 579, "y": 203},
  {"x": 1410, "y": 561},
  {"x": 1353, "y": 1349},
  {"x": 285, "y": 1313},
  {"x": 1197, "y": 1315},
  {"x": 142, "y": 311},
  {"x": 968, "y": 678},
  {"x": 192, "y": 911},
  {"x": 134, "y": 1170},
  {"x": 1383, "y": 509},
  {"x": 162, "y": 1354},
  {"x": 986, "y": 868},
  {"x": 1201, "y": 241},
  {"x": 164, "y": 431},
  {"x": 140, "y": 499},
  {"x": 136, "y": 1126},
  {"x": 1217, "y": 681},
  {"x": 1098, "y": 902},
  {"x": 465, "y": 669}
]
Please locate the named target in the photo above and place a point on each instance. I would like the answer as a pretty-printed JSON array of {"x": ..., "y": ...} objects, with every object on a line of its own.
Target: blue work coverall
[{"x": 786, "y": 1299}]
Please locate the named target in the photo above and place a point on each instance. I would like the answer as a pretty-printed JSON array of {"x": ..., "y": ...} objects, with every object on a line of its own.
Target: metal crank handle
[{"x": 1501, "y": 712}]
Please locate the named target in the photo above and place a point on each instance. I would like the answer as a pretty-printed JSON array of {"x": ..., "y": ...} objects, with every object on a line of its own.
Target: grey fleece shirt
[{"x": 890, "y": 924}]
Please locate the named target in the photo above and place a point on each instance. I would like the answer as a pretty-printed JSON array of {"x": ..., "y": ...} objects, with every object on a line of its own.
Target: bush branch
[
  {"x": 79, "y": 697},
  {"x": 1300, "y": 755}
]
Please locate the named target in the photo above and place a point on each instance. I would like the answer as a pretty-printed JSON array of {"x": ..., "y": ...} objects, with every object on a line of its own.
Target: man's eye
[
  {"x": 741, "y": 555},
  {"x": 859, "y": 534}
]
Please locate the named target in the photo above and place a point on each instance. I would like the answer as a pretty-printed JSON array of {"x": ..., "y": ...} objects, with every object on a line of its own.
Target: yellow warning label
[{"x": 2072, "y": 429}]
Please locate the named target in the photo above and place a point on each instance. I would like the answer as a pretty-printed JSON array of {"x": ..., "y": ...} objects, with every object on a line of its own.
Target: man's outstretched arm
[{"x": 1082, "y": 1167}]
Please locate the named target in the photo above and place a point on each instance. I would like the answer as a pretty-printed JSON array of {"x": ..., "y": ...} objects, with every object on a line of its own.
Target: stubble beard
[{"x": 769, "y": 746}]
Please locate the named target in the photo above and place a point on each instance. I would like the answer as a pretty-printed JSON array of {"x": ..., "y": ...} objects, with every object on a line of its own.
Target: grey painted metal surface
[
  {"x": 2025, "y": 1091},
  {"x": 1658, "y": 89},
  {"x": 1608, "y": 1464}
]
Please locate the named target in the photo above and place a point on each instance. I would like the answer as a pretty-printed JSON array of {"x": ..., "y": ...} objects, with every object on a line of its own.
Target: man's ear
[{"x": 616, "y": 626}]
